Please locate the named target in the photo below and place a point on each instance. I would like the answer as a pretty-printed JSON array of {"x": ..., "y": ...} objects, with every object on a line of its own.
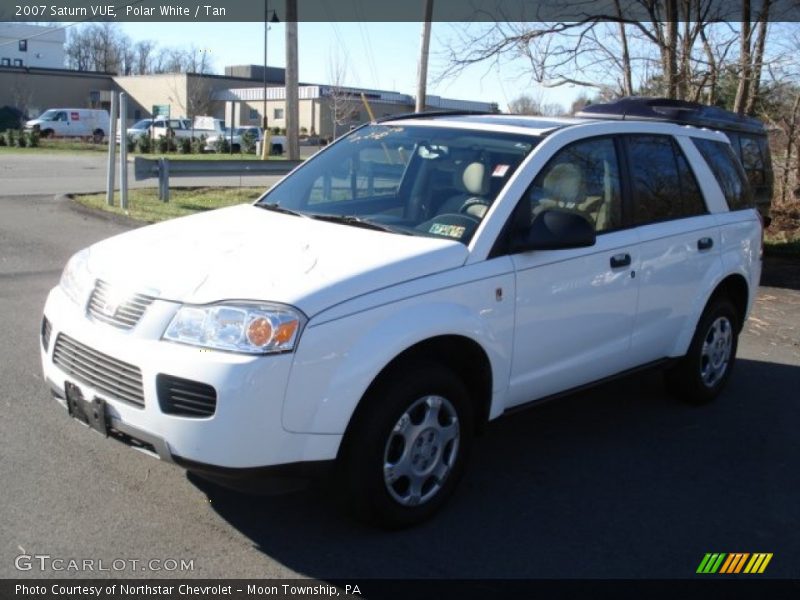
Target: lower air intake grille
[
  {"x": 46, "y": 329},
  {"x": 184, "y": 397},
  {"x": 119, "y": 380}
]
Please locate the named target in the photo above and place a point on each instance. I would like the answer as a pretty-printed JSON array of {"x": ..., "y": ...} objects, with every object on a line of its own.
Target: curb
[{"x": 69, "y": 201}]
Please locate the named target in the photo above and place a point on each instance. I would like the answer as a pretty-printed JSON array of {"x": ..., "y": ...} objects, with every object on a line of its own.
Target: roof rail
[
  {"x": 431, "y": 114},
  {"x": 674, "y": 111}
]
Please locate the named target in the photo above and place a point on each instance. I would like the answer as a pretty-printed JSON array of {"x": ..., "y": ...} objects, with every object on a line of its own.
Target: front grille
[
  {"x": 184, "y": 397},
  {"x": 118, "y": 379},
  {"x": 122, "y": 312},
  {"x": 46, "y": 329}
]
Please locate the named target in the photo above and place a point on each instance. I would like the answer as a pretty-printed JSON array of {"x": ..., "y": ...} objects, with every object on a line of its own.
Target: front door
[{"x": 575, "y": 308}]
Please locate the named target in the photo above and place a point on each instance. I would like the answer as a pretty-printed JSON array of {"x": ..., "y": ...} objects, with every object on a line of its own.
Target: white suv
[{"x": 413, "y": 281}]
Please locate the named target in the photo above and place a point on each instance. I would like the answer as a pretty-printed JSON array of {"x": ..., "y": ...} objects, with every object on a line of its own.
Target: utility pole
[
  {"x": 422, "y": 70},
  {"x": 123, "y": 152},
  {"x": 292, "y": 94},
  {"x": 112, "y": 148}
]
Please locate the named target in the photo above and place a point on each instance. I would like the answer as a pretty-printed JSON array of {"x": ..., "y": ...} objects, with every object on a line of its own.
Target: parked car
[
  {"x": 408, "y": 284},
  {"x": 71, "y": 122},
  {"x": 277, "y": 142},
  {"x": 139, "y": 128},
  {"x": 173, "y": 128},
  {"x": 747, "y": 135}
]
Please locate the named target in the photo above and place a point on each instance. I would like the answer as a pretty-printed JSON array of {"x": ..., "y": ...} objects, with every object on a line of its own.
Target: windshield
[
  {"x": 49, "y": 115},
  {"x": 143, "y": 124},
  {"x": 420, "y": 180}
]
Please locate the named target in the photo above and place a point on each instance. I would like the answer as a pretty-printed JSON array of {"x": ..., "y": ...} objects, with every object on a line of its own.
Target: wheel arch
[
  {"x": 462, "y": 355},
  {"x": 733, "y": 286}
]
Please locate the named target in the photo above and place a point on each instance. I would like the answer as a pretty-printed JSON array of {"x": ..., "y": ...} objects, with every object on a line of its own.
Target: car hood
[{"x": 249, "y": 253}]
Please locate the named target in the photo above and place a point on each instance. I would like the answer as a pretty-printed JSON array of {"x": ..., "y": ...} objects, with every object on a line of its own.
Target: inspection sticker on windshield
[
  {"x": 500, "y": 171},
  {"x": 453, "y": 231}
]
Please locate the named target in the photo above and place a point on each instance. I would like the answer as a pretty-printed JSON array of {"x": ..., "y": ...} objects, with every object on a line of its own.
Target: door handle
[
  {"x": 705, "y": 243},
  {"x": 620, "y": 260}
]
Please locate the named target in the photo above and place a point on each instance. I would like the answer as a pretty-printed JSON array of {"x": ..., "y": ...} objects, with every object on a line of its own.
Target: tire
[
  {"x": 46, "y": 133},
  {"x": 97, "y": 136},
  {"x": 702, "y": 373},
  {"x": 415, "y": 423},
  {"x": 277, "y": 149}
]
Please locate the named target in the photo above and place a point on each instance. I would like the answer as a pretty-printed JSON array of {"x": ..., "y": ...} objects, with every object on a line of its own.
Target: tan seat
[
  {"x": 472, "y": 181},
  {"x": 564, "y": 186}
]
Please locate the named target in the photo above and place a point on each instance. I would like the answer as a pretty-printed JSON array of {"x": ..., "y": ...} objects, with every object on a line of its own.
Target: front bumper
[{"x": 245, "y": 431}]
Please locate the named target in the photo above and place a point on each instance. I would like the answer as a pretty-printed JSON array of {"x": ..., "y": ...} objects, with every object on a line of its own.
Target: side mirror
[{"x": 555, "y": 230}]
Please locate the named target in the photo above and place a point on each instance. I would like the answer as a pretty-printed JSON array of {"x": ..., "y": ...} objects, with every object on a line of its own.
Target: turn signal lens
[{"x": 286, "y": 332}]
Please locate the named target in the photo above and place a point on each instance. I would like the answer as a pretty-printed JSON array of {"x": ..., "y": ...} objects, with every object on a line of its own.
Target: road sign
[{"x": 161, "y": 110}]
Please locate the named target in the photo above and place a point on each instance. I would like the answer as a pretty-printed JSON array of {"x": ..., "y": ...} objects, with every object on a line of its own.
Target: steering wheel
[{"x": 474, "y": 207}]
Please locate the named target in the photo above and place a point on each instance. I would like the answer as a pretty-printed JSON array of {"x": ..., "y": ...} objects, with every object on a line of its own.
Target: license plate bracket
[{"x": 91, "y": 412}]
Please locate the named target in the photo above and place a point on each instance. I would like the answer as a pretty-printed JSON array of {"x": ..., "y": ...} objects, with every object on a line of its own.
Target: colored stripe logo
[{"x": 734, "y": 563}]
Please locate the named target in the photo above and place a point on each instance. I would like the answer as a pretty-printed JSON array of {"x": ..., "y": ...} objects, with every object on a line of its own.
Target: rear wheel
[
  {"x": 702, "y": 374},
  {"x": 97, "y": 136},
  {"x": 406, "y": 452}
]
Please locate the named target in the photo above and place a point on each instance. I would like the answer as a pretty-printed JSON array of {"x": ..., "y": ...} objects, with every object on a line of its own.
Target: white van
[{"x": 72, "y": 122}]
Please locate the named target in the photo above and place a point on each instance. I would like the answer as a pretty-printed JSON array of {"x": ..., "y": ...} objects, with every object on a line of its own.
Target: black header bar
[{"x": 213, "y": 11}]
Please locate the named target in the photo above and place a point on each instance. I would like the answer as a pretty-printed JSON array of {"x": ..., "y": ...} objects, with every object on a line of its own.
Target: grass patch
[
  {"x": 144, "y": 205},
  {"x": 49, "y": 146},
  {"x": 57, "y": 146}
]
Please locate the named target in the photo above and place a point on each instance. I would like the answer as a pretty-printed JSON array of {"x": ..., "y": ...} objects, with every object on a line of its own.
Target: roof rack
[{"x": 675, "y": 111}]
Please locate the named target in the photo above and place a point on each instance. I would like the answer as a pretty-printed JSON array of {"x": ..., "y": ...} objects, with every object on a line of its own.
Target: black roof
[{"x": 674, "y": 111}]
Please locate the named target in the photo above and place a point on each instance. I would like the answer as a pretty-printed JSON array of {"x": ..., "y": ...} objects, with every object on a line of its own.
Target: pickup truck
[
  {"x": 178, "y": 128},
  {"x": 277, "y": 142}
]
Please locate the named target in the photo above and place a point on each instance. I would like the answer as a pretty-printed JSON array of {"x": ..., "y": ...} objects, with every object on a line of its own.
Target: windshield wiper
[
  {"x": 273, "y": 206},
  {"x": 358, "y": 222}
]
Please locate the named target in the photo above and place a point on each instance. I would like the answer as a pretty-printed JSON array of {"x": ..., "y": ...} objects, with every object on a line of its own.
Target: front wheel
[
  {"x": 702, "y": 374},
  {"x": 406, "y": 452}
]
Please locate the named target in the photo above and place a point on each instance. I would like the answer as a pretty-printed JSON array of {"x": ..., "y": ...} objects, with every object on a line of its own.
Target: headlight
[
  {"x": 76, "y": 280},
  {"x": 249, "y": 328}
]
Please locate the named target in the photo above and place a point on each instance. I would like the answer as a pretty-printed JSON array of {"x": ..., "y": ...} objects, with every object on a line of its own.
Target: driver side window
[{"x": 582, "y": 178}]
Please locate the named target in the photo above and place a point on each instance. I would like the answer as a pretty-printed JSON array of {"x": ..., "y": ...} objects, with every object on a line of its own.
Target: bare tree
[
  {"x": 526, "y": 104},
  {"x": 103, "y": 47},
  {"x": 143, "y": 55},
  {"x": 665, "y": 45},
  {"x": 341, "y": 101},
  {"x": 199, "y": 96}
]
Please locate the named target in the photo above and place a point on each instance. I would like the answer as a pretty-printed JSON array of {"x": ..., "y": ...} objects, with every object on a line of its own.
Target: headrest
[
  {"x": 474, "y": 179},
  {"x": 564, "y": 183}
]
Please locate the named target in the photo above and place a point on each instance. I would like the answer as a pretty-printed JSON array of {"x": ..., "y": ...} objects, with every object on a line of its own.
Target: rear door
[{"x": 679, "y": 242}]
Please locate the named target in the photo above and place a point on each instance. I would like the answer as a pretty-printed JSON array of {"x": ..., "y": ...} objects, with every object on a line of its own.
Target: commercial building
[
  {"x": 23, "y": 45},
  {"x": 326, "y": 110},
  {"x": 237, "y": 97}
]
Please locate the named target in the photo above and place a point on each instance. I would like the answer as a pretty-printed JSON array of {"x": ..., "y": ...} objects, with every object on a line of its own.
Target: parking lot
[{"x": 620, "y": 481}]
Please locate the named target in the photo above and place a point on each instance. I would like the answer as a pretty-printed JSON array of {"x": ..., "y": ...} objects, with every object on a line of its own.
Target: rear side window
[
  {"x": 752, "y": 160},
  {"x": 663, "y": 184},
  {"x": 726, "y": 168}
]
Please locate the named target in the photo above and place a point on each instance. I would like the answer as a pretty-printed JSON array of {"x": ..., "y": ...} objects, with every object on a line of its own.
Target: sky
[{"x": 374, "y": 55}]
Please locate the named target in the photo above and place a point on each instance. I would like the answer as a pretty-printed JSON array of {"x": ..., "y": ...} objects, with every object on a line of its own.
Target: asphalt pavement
[
  {"x": 618, "y": 482},
  {"x": 86, "y": 172}
]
